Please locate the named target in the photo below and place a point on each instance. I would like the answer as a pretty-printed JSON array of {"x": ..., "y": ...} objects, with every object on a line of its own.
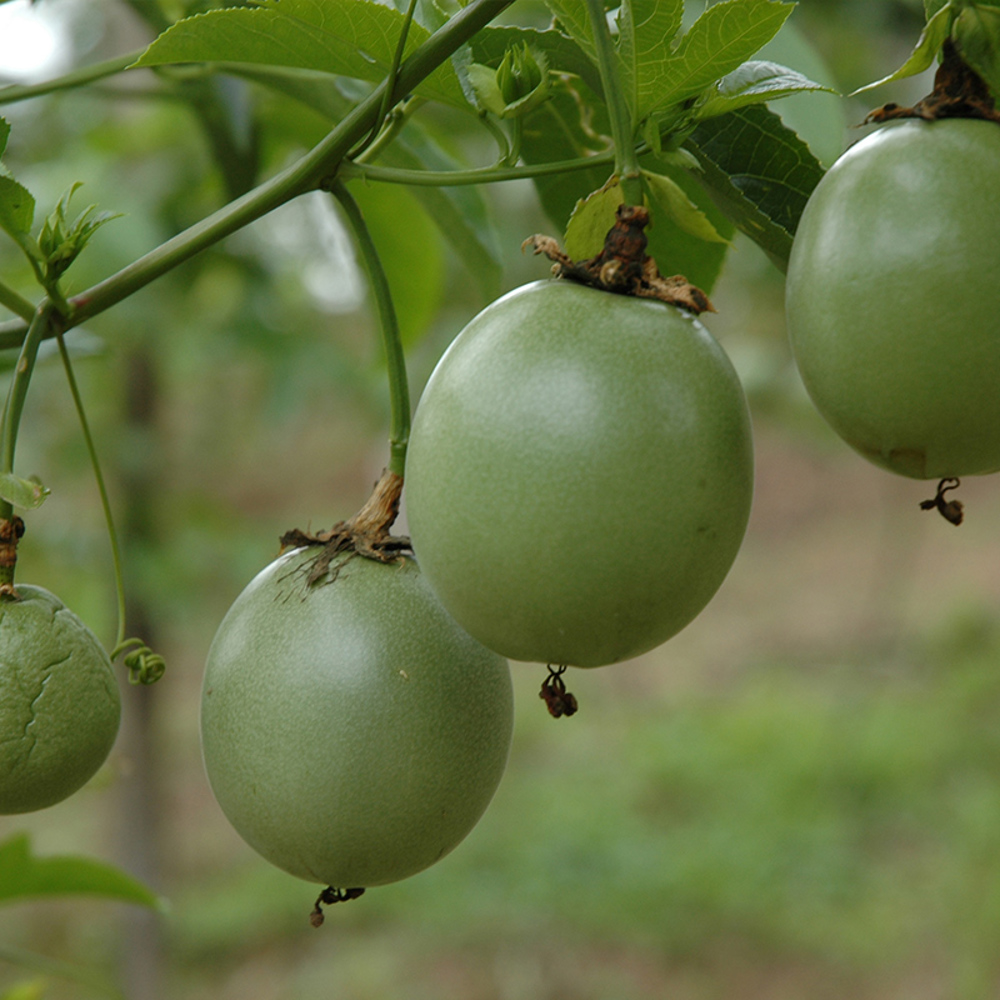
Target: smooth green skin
[
  {"x": 893, "y": 298},
  {"x": 352, "y": 733},
  {"x": 579, "y": 475},
  {"x": 59, "y": 702}
]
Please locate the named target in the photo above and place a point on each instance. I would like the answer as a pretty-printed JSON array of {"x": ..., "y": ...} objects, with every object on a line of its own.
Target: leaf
[
  {"x": 355, "y": 38},
  {"x": 592, "y": 217},
  {"x": 726, "y": 35},
  {"x": 17, "y": 208},
  {"x": 928, "y": 45},
  {"x": 645, "y": 30},
  {"x": 678, "y": 252},
  {"x": 410, "y": 250},
  {"x": 977, "y": 31},
  {"x": 760, "y": 172},
  {"x": 4, "y": 134},
  {"x": 23, "y": 875},
  {"x": 560, "y": 130},
  {"x": 672, "y": 203},
  {"x": 24, "y": 493},
  {"x": 756, "y": 82},
  {"x": 575, "y": 21}
]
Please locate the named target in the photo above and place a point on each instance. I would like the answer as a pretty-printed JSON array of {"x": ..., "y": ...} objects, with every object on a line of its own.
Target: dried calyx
[{"x": 623, "y": 266}]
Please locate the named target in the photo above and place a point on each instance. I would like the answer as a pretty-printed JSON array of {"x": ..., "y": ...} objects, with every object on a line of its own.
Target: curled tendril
[{"x": 144, "y": 666}]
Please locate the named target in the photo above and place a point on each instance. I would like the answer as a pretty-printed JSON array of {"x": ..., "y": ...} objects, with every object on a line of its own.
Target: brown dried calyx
[
  {"x": 365, "y": 534},
  {"x": 623, "y": 266},
  {"x": 11, "y": 532},
  {"x": 959, "y": 92}
]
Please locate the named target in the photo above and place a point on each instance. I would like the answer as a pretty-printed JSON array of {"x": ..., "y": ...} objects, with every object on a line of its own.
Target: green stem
[
  {"x": 455, "y": 178},
  {"x": 16, "y": 302},
  {"x": 304, "y": 175},
  {"x": 391, "y": 76},
  {"x": 393, "y": 127},
  {"x": 40, "y": 326},
  {"x": 116, "y": 557},
  {"x": 399, "y": 392},
  {"x": 626, "y": 159},
  {"x": 78, "y": 78}
]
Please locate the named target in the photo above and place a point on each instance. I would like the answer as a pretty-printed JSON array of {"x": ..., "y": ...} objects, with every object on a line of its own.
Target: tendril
[{"x": 144, "y": 666}]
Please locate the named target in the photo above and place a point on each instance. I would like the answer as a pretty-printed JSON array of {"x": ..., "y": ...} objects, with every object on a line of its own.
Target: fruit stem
[
  {"x": 626, "y": 161},
  {"x": 399, "y": 392},
  {"x": 41, "y": 324}
]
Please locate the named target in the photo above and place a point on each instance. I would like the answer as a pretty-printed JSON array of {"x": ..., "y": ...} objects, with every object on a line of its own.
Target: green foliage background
[{"x": 797, "y": 797}]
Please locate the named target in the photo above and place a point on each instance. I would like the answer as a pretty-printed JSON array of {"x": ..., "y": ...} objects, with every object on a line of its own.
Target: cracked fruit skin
[
  {"x": 59, "y": 702},
  {"x": 893, "y": 297},
  {"x": 579, "y": 474},
  {"x": 352, "y": 733}
]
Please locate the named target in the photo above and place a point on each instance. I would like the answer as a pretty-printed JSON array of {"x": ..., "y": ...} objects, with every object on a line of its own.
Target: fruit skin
[
  {"x": 352, "y": 733},
  {"x": 59, "y": 702},
  {"x": 579, "y": 474},
  {"x": 893, "y": 297}
]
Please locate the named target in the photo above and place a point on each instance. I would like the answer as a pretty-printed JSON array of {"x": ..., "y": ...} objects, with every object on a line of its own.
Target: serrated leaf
[
  {"x": 977, "y": 32},
  {"x": 725, "y": 36},
  {"x": 760, "y": 172},
  {"x": 355, "y": 38},
  {"x": 678, "y": 252},
  {"x": 24, "y": 493},
  {"x": 672, "y": 203},
  {"x": 928, "y": 45},
  {"x": 931, "y": 7},
  {"x": 592, "y": 217},
  {"x": 645, "y": 30},
  {"x": 23, "y": 875},
  {"x": 574, "y": 19},
  {"x": 17, "y": 208},
  {"x": 756, "y": 82}
]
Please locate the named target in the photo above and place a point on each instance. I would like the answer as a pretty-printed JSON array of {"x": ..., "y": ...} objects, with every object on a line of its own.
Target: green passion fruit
[
  {"x": 579, "y": 474},
  {"x": 893, "y": 297},
  {"x": 59, "y": 702},
  {"x": 352, "y": 733}
]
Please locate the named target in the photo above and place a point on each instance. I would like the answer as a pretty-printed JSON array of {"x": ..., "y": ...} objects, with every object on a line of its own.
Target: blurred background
[{"x": 797, "y": 797}]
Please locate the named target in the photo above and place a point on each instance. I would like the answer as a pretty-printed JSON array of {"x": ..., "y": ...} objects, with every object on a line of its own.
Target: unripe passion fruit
[
  {"x": 59, "y": 702},
  {"x": 893, "y": 297},
  {"x": 579, "y": 475},
  {"x": 352, "y": 733}
]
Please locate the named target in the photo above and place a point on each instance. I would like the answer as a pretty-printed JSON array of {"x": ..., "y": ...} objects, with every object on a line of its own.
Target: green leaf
[
  {"x": 573, "y": 18},
  {"x": 760, "y": 172},
  {"x": 645, "y": 30},
  {"x": 756, "y": 82},
  {"x": 725, "y": 36},
  {"x": 678, "y": 252},
  {"x": 410, "y": 248},
  {"x": 931, "y": 7},
  {"x": 592, "y": 217},
  {"x": 672, "y": 203},
  {"x": 977, "y": 32},
  {"x": 17, "y": 208},
  {"x": 4, "y": 134},
  {"x": 355, "y": 38},
  {"x": 24, "y": 493},
  {"x": 560, "y": 130},
  {"x": 928, "y": 45},
  {"x": 23, "y": 876}
]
